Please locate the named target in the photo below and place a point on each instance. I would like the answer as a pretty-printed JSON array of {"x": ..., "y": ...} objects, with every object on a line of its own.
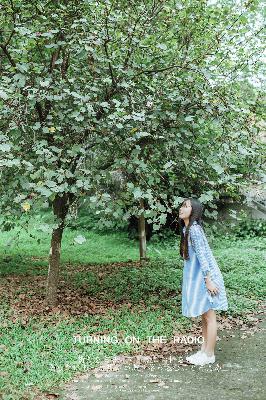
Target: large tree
[{"x": 89, "y": 87}]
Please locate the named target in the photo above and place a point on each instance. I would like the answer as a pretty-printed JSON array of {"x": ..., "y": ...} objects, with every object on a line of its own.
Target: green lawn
[
  {"x": 37, "y": 349},
  {"x": 98, "y": 248}
]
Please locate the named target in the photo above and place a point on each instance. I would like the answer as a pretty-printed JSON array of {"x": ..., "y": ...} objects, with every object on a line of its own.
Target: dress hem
[{"x": 210, "y": 308}]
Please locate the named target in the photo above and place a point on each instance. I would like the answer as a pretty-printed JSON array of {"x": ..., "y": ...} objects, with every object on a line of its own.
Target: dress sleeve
[{"x": 198, "y": 245}]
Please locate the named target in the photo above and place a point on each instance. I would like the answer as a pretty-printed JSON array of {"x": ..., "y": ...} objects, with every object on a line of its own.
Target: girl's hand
[{"x": 211, "y": 287}]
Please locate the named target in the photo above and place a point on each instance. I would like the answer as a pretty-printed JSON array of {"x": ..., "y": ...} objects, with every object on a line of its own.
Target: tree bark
[
  {"x": 142, "y": 235},
  {"x": 60, "y": 209}
]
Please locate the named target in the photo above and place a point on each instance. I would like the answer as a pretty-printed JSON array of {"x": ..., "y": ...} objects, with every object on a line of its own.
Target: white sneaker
[
  {"x": 194, "y": 355},
  {"x": 203, "y": 359}
]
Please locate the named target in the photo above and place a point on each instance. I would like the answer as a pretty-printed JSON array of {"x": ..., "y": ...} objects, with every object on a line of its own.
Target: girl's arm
[{"x": 199, "y": 247}]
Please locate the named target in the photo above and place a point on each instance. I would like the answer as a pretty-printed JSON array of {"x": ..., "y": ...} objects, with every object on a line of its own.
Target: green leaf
[
  {"x": 5, "y": 147},
  {"x": 142, "y": 134},
  {"x": 21, "y": 80},
  {"x": 3, "y": 95},
  {"x": 44, "y": 191},
  {"x": 137, "y": 192},
  {"x": 105, "y": 104},
  {"x": 218, "y": 168},
  {"x": 22, "y": 67},
  {"x": 37, "y": 126},
  {"x": 161, "y": 46},
  {"x": 45, "y": 83},
  {"x": 79, "y": 239}
]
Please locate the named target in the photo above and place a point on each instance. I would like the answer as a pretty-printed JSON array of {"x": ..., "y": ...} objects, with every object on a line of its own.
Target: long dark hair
[{"x": 196, "y": 215}]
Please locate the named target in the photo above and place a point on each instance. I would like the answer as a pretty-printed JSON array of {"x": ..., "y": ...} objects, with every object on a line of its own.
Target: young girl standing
[{"x": 203, "y": 289}]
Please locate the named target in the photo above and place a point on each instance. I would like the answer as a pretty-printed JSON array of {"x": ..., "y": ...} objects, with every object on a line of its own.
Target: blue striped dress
[{"x": 196, "y": 299}]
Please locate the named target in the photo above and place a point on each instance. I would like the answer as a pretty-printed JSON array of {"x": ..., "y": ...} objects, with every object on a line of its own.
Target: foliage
[
  {"x": 164, "y": 235},
  {"x": 250, "y": 228},
  {"x": 93, "y": 87}
]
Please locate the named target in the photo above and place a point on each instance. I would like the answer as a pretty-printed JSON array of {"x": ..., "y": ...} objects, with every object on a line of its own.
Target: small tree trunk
[
  {"x": 142, "y": 235},
  {"x": 60, "y": 209}
]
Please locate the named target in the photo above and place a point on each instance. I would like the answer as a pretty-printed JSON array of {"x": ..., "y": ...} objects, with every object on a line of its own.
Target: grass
[
  {"x": 37, "y": 350},
  {"x": 18, "y": 249}
]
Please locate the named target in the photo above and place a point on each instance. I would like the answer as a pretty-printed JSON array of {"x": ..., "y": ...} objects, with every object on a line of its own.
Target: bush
[
  {"x": 163, "y": 235},
  {"x": 250, "y": 228}
]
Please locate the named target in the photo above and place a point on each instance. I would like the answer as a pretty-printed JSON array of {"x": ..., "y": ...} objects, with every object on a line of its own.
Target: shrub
[{"x": 250, "y": 228}]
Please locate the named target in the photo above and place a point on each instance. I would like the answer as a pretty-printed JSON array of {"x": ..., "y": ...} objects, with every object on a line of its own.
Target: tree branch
[{"x": 6, "y": 52}]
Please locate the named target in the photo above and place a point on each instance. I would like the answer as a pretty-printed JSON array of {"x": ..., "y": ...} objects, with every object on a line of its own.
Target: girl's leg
[
  {"x": 210, "y": 318},
  {"x": 204, "y": 332}
]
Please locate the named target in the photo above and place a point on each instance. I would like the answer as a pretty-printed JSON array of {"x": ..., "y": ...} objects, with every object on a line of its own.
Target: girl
[{"x": 203, "y": 288}]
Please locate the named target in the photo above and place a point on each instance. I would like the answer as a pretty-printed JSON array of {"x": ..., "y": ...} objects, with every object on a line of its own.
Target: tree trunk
[
  {"x": 142, "y": 234},
  {"x": 60, "y": 209}
]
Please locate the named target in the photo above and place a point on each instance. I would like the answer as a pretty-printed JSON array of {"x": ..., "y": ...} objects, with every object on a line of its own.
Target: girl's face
[{"x": 185, "y": 210}]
